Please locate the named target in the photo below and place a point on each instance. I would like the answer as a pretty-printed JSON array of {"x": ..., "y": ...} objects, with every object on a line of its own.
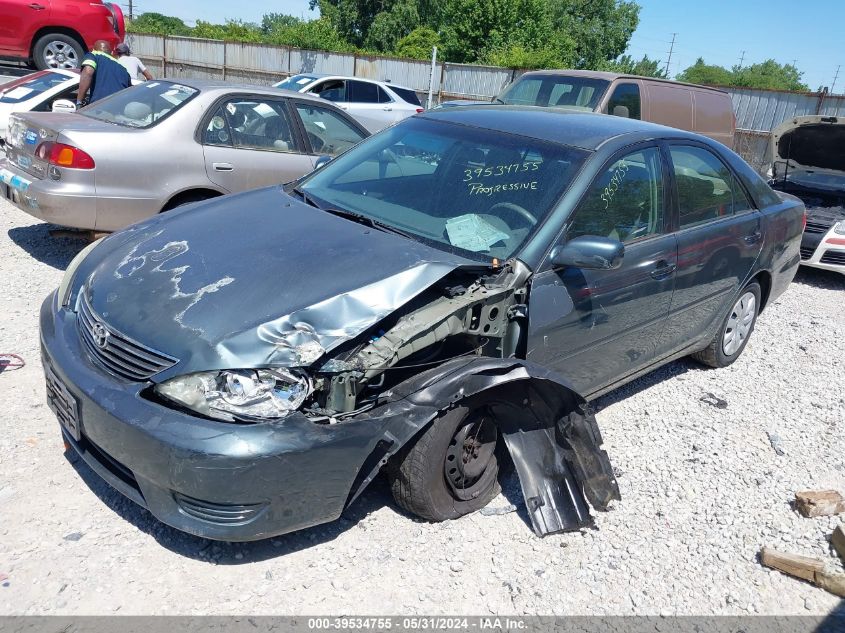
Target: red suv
[{"x": 57, "y": 33}]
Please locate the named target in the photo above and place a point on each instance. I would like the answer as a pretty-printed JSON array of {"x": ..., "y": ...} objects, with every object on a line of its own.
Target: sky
[{"x": 717, "y": 30}]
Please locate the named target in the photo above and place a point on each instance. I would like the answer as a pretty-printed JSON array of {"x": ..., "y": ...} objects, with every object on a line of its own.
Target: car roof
[
  {"x": 220, "y": 87},
  {"x": 388, "y": 84},
  {"x": 586, "y": 130},
  {"x": 610, "y": 76}
]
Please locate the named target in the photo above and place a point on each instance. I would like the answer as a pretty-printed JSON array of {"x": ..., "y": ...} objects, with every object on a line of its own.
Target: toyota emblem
[{"x": 100, "y": 335}]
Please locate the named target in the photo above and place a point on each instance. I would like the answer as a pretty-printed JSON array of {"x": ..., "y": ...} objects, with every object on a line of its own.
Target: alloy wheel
[{"x": 58, "y": 54}]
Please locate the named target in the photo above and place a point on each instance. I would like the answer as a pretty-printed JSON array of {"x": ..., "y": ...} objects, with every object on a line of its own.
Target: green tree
[
  {"x": 274, "y": 21},
  {"x": 418, "y": 43},
  {"x": 706, "y": 74},
  {"x": 319, "y": 34},
  {"x": 645, "y": 67},
  {"x": 158, "y": 24},
  {"x": 354, "y": 18},
  {"x": 231, "y": 31},
  {"x": 388, "y": 27},
  {"x": 600, "y": 29},
  {"x": 768, "y": 74}
]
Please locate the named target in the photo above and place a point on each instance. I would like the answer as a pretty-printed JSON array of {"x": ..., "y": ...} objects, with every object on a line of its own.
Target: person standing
[
  {"x": 132, "y": 64},
  {"x": 100, "y": 74}
]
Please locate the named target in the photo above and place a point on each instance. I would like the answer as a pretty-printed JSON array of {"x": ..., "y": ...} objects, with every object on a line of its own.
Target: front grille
[
  {"x": 115, "y": 351},
  {"x": 817, "y": 227},
  {"x": 807, "y": 252},
  {"x": 833, "y": 257},
  {"x": 220, "y": 513}
]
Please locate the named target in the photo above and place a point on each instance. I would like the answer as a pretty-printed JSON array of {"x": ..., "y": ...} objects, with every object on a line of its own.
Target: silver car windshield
[
  {"x": 141, "y": 106},
  {"x": 555, "y": 90},
  {"x": 16, "y": 92},
  {"x": 476, "y": 192}
]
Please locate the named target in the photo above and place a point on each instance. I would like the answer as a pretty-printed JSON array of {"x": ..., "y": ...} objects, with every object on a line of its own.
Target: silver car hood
[{"x": 254, "y": 279}]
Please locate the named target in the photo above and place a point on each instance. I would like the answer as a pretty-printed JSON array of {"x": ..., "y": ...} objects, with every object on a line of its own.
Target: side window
[
  {"x": 383, "y": 97},
  {"x": 328, "y": 132},
  {"x": 625, "y": 202},
  {"x": 626, "y": 96},
  {"x": 331, "y": 90},
  {"x": 363, "y": 92},
  {"x": 251, "y": 124},
  {"x": 707, "y": 190}
]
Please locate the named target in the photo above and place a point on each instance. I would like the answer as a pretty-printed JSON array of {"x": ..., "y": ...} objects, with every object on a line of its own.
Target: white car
[
  {"x": 375, "y": 104},
  {"x": 36, "y": 93}
]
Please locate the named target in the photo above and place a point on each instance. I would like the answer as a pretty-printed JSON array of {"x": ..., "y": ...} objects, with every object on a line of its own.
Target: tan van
[{"x": 700, "y": 109}]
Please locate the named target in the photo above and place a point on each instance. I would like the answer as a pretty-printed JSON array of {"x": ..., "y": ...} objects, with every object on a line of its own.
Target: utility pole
[
  {"x": 671, "y": 48},
  {"x": 131, "y": 11},
  {"x": 741, "y": 59},
  {"x": 835, "y": 77}
]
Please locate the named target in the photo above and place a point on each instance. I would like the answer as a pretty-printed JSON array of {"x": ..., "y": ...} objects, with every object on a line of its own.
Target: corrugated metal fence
[{"x": 757, "y": 111}]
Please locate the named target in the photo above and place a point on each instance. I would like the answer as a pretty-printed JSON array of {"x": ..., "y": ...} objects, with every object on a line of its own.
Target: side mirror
[
  {"x": 620, "y": 110},
  {"x": 322, "y": 161},
  {"x": 63, "y": 105},
  {"x": 589, "y": 251}
]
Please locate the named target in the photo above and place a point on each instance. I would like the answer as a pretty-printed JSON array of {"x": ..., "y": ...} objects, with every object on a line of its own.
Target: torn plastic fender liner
[{"x": 549, "y": 430}]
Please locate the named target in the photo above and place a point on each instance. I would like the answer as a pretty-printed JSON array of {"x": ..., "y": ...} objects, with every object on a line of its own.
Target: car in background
[
  {"x": 161, "y": 144},
  {"x": 57, "y": 33},
  {"x": 808, "y": 162},
  {"x": 702, "y": 109},
  {"x": 454, "y": 287},
  {"x": 375, "y": 104},
  {"x": 36, "y": 93}
]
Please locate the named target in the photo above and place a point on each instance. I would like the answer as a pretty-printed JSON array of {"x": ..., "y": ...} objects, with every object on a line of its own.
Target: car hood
[
  {"x": 254, "y": 279},
  {"x": 810, "y": 151}
]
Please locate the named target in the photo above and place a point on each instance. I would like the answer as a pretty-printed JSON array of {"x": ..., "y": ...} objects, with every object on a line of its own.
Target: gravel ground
[{"x": 702, "y": 490}]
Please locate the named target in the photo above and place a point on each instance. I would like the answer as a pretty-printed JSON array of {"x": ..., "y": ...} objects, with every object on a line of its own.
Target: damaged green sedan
[{"x": 461, "y": 282}]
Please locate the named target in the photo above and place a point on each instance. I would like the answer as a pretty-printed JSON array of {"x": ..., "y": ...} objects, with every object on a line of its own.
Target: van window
[
  {"x": 625, "y": 202},
  {"x": 555, "y": 90},
  {"x": 707, "y": 189},
  {"x": 627, "y": 95}
]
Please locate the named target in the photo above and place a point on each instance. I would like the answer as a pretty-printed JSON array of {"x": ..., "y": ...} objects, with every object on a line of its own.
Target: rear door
[
  {"x": 370, "y": 105},
  {"x": 598, "y": 326},
  {"x": 19, "y": 20},
  {"x": 719, "y": 238},
  {"x": 252, "y": 141}
]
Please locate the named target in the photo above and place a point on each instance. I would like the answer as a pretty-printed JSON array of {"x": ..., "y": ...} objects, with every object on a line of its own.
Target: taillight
[
  {"x": 63, "y": 155},
  {"x": 420, "y": 110}
]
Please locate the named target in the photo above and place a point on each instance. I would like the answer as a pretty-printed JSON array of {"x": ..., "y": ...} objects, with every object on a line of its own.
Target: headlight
[
  {"x": 70, "y": 273},
  {"x": 240, "y": 395},
  {"x": 839, "y": 228}
]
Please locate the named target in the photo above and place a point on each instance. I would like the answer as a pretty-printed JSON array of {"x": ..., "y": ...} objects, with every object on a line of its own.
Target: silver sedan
[{"x": 161, "y": 144}]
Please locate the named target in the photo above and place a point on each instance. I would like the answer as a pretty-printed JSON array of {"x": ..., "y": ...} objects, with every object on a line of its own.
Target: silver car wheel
[
  {"x": 739, "y": 323},
  {"x": 58, "y": 54}
]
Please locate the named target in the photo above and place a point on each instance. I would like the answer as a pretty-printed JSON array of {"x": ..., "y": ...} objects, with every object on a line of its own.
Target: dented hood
[{"x": 255, "y": 279}]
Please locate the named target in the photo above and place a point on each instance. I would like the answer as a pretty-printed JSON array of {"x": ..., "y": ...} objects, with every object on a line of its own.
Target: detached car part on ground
[
  {"x": 461, "y": 282},
  {"x": 159, "y": 145},
  {"x": 808, "y": 161}
]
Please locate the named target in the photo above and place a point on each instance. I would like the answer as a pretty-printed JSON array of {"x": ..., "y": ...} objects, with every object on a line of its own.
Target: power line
[
  {"x": 835, "y": 77},
  {"x": 671, "y": 48},
  {"x": 742, "y": 59}
]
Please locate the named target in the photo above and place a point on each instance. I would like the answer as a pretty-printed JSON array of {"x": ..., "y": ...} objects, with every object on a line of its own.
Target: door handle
[
  {"x": 663, "y": 269},
  {"x": 754, "y": 237},
  {"x": 388, "y": 109},
  {"x": 37, "y": 7},
  {"x": 223, "y": 167}
]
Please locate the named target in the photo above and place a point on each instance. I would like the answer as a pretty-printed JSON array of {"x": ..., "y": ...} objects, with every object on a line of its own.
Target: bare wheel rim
[
  {"x": 58, "y": 54},
  {"x": 739, "y": 323},
  {"x": 469, "y": 454}
]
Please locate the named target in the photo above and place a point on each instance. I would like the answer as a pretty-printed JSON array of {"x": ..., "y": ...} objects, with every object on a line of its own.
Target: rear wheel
[
  {"x": 188, "y": 197},
  {"x": 56, "y": 50},
  {"x": 735, "y": 330},
  {"x": 451, "y": 470}
]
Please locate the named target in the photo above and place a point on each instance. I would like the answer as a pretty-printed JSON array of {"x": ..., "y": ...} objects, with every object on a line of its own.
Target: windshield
[
  {"x": 27, "y": 88},
  {"x": 295, "y": 82},
  {"x": 555, "y": 90},
  {"x": 475, "y": 192},
  {"x": 141, "y": 106}
]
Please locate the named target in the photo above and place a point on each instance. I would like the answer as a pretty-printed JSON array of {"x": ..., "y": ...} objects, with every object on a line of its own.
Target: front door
[
  {"x": 19, "y": 19},
  {"x": 250, "y": 142},
  {"x": 720, "y": 235},
  {"x": 597, "y": 326}
]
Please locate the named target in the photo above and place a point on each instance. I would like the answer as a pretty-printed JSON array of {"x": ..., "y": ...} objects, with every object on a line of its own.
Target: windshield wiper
[
  {"x": 305, "y": 197},
  {"x": 366, "y": 220},
  {"x": 497, "y": 100}
]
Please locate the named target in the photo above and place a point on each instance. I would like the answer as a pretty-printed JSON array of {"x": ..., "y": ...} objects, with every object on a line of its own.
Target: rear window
[
  {"x": 407, "y": 95},
  {"x": 28, "y": 87},
  {"x": 555, "y": 91},
  {"x": 295, "y": 82},
  {"x": 141, "y": 106}
]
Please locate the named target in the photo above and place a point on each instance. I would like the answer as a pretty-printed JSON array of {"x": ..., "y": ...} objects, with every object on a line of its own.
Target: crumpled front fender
[{"x": 549, "y": 430}]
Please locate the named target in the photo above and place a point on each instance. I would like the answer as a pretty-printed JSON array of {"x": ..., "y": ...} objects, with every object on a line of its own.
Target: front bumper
[
  {"x": 212, "y": 479},
  {"x": 825, "y": 251},
  {"x": 64, "y": 202}
]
